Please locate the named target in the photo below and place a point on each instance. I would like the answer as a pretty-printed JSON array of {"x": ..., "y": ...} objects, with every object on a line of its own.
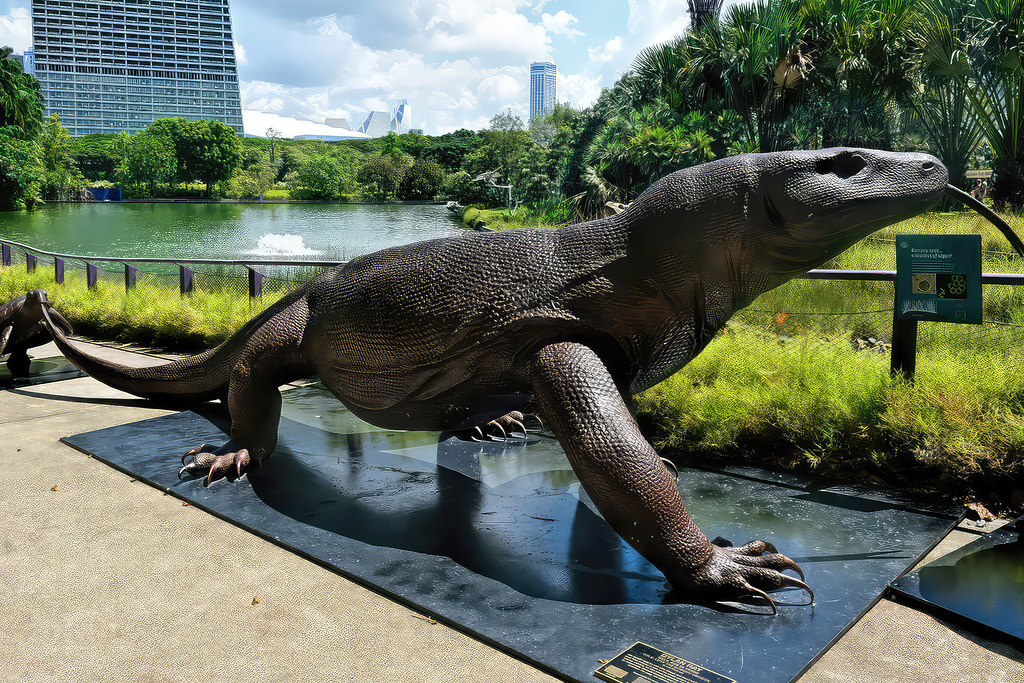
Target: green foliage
[
  {"x": 208, "y": 151},
  {"x": 21, "y": 101},
  {"x": 61, "y": 178},
  {"x": 381, "y": 176},
  {"x": 20, "y": 170},
  {"x": 451, "y": 149},
  {"x": 98, "y": 156},
  {"x": 323, "y": 177},
  {"x": 149, "y": 314},
  {"x": 458, "y": 186},
  {"x": 425, "y": 179},
  {"x": 149, "y": 159}
]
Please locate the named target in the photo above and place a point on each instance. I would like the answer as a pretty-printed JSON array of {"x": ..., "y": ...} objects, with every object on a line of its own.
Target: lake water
[{"x": 336, "y": 232}]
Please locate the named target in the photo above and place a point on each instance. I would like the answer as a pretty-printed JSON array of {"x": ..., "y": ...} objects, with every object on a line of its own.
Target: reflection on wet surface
[
  {"x": 983, "y": 581},
  {"x": 501, "y": 539},
  {"x": 41, "y": 371}
]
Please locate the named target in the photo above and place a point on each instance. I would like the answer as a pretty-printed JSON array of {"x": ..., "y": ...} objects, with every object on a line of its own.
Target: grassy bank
[{"x": 153, "y": 314}]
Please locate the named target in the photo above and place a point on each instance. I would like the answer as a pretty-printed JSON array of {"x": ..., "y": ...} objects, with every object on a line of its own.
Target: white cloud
[
  {"x": 610, "y": 51},
  {"x": 16, "y": 29},
  {"x": 240, "y": 58},
  {"x": 560, "y": 24},
  {"x": 577, "y": 89}
]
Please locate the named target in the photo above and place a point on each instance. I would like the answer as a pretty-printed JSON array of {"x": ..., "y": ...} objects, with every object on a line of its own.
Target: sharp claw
[
  {"x": 790, "y": 582},
  {"x": 520, "y": 425},
  {"x": 476, "y": 434},
  {"x": 504, "y": 434},
  {"x": 761, "y": 594},
  {"x": 188, "y": 453},
  {"x": 671, "y": 467}
]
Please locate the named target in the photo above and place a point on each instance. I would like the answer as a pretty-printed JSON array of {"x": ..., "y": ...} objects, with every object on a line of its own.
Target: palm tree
[
  {"x": 21, "y": 102},
  {"x": 984, "y": 58}
]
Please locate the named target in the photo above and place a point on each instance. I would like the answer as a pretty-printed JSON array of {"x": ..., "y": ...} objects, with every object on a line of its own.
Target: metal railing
[
  {"x": 904, "y": 338},
  {"x": 186, "y": 272}
]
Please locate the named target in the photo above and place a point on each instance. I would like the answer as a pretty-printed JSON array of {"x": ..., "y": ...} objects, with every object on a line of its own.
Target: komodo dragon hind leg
[
  {"x": 634, "y": 490},
  {"x": 255, "y": 408}
]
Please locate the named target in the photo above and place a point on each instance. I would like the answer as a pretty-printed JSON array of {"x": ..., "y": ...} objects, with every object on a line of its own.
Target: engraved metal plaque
[{"x": 642, "y": 663}]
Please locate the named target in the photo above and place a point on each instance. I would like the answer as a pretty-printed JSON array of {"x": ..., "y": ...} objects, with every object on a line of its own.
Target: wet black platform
[
  {"x": 981, "y": 583},
  {"x": 498, "y": 539},
  {"x": 40, "y": 371}
]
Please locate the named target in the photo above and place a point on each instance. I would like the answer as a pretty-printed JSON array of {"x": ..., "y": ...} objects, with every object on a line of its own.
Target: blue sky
[{"x": 458, "y": 62}]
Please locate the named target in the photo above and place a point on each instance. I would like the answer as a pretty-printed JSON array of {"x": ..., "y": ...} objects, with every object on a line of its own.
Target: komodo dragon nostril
[{"x": 928, "y": 165}]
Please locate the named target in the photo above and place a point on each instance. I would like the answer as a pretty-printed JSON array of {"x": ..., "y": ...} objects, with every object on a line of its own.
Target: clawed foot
[
  {"x": 509, "y": 426},
  {"x": 749, "y": 570},
  {"x": 217, "y": 465}
]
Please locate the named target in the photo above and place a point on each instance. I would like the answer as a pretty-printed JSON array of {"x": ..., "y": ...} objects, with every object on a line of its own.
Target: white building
[
  {"x": 380, "y": 123},
  {"x": 542, "y": 89},
  {"x": 108, "y": 66}
]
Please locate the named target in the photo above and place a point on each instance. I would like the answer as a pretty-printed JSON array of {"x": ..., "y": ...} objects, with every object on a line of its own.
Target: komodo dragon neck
[{"x": 662, "y": 282}]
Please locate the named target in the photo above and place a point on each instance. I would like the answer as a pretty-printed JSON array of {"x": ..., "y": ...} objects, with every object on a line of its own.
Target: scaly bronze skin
[
  {"x": 22, "y": 328},
  {"x": 452, "y": 333}
]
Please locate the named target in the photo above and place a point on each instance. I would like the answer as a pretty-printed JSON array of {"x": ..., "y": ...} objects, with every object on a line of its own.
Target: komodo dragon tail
[{"x": 202, "y": 377}]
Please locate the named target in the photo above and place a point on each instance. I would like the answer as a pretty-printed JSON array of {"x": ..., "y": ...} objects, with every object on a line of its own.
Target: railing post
[
  {"x": 255, "y": 283},
  {"x": 904, "y": 348},
  {"x": 30, "y": 262},
  {"x": 129, "y": 277},
  {"x": 91, "y": 275},
  {"x": 58, "y": 270},
  {"x": 185, "y": 279},
  {"x": 5, "y": 254}
]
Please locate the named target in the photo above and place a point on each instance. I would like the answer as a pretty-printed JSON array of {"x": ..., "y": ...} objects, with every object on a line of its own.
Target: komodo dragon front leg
[{"x": 632, "y": 488}]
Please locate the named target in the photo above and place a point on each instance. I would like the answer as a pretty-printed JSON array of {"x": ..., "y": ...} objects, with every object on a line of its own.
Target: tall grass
[{"x": 150, "y": 313}]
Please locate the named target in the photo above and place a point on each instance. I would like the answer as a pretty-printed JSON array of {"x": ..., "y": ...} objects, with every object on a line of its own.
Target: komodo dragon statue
[
  {"x": 452, "y": 333},
  {"x": 22, "y": 328}
]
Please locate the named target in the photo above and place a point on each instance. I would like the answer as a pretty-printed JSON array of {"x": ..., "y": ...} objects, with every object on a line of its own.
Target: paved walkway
[{"x": 106, "y": 578}]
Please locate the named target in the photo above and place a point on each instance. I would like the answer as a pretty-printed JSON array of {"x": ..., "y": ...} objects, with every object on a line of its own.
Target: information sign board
[{"x": 938, "y": 277}]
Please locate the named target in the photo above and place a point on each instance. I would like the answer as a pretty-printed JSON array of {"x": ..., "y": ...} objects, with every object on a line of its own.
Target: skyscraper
[
  {"x": 542, "y": 89},
  {"x": 108, "y": 66}
]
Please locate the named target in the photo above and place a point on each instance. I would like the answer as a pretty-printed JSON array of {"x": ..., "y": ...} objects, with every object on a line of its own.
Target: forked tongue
[{"x": 992, "y": 216}]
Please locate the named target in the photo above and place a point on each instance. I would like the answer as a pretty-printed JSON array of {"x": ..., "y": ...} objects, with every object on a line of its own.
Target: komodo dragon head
[
  {"x": 818, "y": 203},
  {"x": 763, "y": 218}
]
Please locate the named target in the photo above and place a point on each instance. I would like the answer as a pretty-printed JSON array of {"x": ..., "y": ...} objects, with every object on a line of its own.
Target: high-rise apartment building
[
  {"x": 108, "y": 66},
  {"x": 542, "y": 89}
]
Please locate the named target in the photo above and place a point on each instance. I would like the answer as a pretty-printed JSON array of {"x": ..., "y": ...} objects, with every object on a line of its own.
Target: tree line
[{"x": 943, "y": 76}]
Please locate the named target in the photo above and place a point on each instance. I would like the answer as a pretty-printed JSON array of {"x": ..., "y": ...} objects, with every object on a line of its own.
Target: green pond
[{"x": 336, "y": 232}]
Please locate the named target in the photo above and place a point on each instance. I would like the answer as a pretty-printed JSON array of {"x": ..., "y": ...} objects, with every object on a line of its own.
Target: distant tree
[
  {"x": 61, "y": 178},
  {"x": 323, "y": 176},
  {"x": 251, "y": 181},
  {"x": 149, "y": 159},
  {"x": 172, "y": 129},
  {"x": 273, "y": 135},
  {"x": 460, "y": 187},
  {"x": 381, "y": 176},
  {"x": 424, "y": 180},
  {"x": 451, "y": 149},
  {"x": 508, "y": 139},
  {"x": 542, "y": 130},
  {"x": 98, "y": 156},
  {"x": 209, "y": 151},
  {"x": 20, "y": 171}
]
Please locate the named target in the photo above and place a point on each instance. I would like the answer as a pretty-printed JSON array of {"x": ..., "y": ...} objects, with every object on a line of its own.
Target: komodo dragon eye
[{"x": 844, "y": 165}]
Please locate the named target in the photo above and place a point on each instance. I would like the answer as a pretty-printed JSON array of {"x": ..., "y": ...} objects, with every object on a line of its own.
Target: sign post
[{"x": 938, "y": 278}]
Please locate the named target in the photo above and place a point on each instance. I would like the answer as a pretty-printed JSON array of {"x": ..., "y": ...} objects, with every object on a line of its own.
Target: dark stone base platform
[
  {"x": 498, "y": 540},
  {"x": 980, "y": 584},
  {"x": 40, "y": 371}
]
